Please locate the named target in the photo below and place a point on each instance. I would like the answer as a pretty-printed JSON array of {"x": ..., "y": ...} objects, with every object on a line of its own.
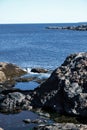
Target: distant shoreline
[{"x": 82, "y": 27}]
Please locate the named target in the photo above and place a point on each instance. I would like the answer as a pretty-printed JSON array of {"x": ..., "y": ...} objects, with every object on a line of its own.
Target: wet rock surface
[
  {"x": 66, "y": 89},
  {"x": 75, "y": 28}
]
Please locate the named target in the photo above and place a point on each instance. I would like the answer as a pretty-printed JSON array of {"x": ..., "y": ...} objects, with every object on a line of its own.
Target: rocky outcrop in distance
[
  {"x": 66, "y": 89},
  {"x": 75, "y": 28}
]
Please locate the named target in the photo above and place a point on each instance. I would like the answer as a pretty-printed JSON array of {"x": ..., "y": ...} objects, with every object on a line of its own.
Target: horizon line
[{"x": 43, "y": 23}]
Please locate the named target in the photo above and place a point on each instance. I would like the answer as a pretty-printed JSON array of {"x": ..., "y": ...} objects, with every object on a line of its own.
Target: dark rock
[
  {"x": 36, "y": 121},
  {"x": 27, "y": 120},
  {"x": 39, "y": 70},
  {"x": 66, "y": 89}
]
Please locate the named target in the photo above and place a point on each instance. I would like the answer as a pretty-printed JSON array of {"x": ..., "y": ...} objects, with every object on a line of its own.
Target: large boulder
[{"x": 66, "y": 89}]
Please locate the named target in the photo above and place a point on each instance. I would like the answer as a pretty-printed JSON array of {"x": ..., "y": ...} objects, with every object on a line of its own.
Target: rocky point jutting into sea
[
  {"x": 65, "y": 91},
  {"x": 82, "y": 27}
]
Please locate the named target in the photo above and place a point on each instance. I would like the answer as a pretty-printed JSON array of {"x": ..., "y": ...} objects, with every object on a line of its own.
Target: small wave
[
  {"x": 38, "y": 75},
  {"x": 28, "y": 70}
]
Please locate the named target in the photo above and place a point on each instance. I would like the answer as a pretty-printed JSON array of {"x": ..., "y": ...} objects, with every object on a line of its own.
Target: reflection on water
[{"x": 26, "y": 85}]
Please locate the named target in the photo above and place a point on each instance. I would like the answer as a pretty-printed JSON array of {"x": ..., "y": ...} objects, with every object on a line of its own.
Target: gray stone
[{"x": 13, "y": 102}]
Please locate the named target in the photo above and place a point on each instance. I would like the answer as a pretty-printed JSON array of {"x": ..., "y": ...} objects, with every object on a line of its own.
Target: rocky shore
[
  {"x": 82, "y": 27},
  {"x": 12, "y": 99},
  {"x": 61, "y": 126},
  {"x": 65, "y": 91}
]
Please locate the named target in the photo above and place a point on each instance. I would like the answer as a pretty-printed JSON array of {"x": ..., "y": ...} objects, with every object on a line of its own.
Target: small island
[{"x": 82, "y": 27}]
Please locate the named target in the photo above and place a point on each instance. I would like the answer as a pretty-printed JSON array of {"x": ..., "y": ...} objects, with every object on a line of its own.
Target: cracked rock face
[{"x": 66, "y": 89}]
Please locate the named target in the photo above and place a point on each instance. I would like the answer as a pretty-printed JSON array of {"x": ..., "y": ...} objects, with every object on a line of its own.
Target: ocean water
[
  {"x": 32, "y": 45},
  {"x": 15, "y": 121}
]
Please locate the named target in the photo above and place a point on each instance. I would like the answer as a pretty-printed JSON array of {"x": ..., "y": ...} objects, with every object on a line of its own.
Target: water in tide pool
[{"x": 32, "y": 45}]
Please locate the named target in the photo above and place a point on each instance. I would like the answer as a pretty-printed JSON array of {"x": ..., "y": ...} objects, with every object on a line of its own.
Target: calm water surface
[{"x": 32, "y": 45}]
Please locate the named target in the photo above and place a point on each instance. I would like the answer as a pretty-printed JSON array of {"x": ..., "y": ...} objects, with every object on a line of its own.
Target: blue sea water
[{"x": 32, "y": 45}]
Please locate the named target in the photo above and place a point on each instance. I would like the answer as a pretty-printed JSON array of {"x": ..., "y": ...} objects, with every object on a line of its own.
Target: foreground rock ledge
[
  {"x": 61, "y": 126},
  {"x": 66, "y": 89}
]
